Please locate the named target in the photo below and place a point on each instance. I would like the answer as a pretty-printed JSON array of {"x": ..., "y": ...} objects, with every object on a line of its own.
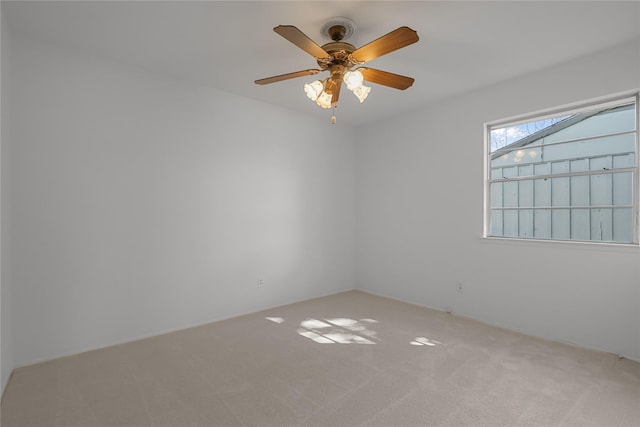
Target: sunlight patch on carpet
[
  {"x": 340, "y": 330},
  {"x": 335, "y": 330},
  {"x": 424, "y": 341}
]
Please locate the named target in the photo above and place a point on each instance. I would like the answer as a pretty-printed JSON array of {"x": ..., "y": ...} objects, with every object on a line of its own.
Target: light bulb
[
  {"x": 324, "y": 100},
  {"x": 362, "y": 92},
  {"x": 353, "y": 79},
  {"x": 313, "y": 90}
]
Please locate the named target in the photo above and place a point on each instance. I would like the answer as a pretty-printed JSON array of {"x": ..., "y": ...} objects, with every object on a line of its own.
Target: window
[{"x": 568, "y": 175}]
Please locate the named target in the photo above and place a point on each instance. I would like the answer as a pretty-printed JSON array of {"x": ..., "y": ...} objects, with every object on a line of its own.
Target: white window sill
[{"x": 589, "y": 246}]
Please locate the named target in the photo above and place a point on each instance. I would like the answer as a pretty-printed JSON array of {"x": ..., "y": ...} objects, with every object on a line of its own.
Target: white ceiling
[{"x": 227, "y": 45}]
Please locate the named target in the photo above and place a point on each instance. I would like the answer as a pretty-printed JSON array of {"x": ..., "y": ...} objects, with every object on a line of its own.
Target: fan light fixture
[
  {"x": 353, "y": 79},
  {"x": 321, "y": 91},
  {"x": 313, "y": 90},
  {"x": 324, "y": 100},
  {"x": 339, "y": 58}
]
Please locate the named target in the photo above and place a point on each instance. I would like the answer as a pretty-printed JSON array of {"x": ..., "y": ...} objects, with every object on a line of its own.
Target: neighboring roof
[{"x": 549, "y": 130}]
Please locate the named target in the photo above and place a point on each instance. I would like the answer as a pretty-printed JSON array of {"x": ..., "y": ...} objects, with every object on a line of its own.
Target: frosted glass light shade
[
  {"x": 362, "y": 92},
  {"x": 313, "y": 90},
  {"x": 324, "y": 100},
  {"x": 353, "y": 79}
]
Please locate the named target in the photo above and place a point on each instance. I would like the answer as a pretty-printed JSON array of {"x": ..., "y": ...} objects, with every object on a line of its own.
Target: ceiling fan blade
[
  {"x": 385, "y": 78},
  {"x": 287, "y": 76},
  {"x": 301, "y": 40},
  {"x": 396, "y": 39}
]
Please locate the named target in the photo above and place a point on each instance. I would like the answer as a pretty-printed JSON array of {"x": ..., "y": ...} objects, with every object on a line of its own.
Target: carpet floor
[{"x": 350, "y": 359}]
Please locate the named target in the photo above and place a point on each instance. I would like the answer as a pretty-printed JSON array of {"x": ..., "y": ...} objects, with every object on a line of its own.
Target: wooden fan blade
[
  {"x": 396, "y": 39},
  {"x": 287, "y": 76},
  {"x": 385, "y": 78},
  {"x": 301, "y": 40}
]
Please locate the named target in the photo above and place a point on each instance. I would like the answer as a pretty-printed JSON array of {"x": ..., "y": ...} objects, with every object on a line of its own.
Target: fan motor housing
[{"x": 340, "y": 53}]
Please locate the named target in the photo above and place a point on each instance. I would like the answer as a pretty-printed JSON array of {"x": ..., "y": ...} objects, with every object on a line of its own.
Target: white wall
[
  {"x": 419, "y": 218},
  {"x": 6, "y": 341},
  {"x": 142, "y": 204}
]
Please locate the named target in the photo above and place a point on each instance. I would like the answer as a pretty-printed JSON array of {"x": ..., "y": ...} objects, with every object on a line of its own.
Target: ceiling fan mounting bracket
[
  {"x": 338, "y": 28},
  {"x": 337, "y": 32}
]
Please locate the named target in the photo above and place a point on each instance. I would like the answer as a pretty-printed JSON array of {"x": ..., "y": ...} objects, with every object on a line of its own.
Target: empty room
[{"x": 318, "y": 213}]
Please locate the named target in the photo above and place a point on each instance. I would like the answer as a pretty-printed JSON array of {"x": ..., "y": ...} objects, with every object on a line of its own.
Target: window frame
[{"x": 569, "y": 109}]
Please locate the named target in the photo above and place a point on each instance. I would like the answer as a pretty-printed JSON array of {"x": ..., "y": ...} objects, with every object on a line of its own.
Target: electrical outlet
[{"x": 260, "y": 282}]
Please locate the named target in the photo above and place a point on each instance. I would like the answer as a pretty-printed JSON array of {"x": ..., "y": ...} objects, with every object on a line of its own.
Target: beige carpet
[{"x": 350, "y": 359}]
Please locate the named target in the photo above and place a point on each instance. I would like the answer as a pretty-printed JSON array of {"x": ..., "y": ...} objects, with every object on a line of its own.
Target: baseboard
[
  {"x": 164, "y": 332},
  {"x": 527, "y": 333}
]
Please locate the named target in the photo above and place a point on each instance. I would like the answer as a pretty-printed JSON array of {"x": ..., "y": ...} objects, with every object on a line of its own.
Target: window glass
[{"x": 568, "y": 177}]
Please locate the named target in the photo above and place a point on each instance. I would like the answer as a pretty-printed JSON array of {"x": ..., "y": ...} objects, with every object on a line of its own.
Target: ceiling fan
[{"x": 342, "y": 60}]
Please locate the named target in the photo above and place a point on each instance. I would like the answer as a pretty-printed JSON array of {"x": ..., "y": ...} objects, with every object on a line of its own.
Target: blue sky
[{"x": 501, "y": 137}]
